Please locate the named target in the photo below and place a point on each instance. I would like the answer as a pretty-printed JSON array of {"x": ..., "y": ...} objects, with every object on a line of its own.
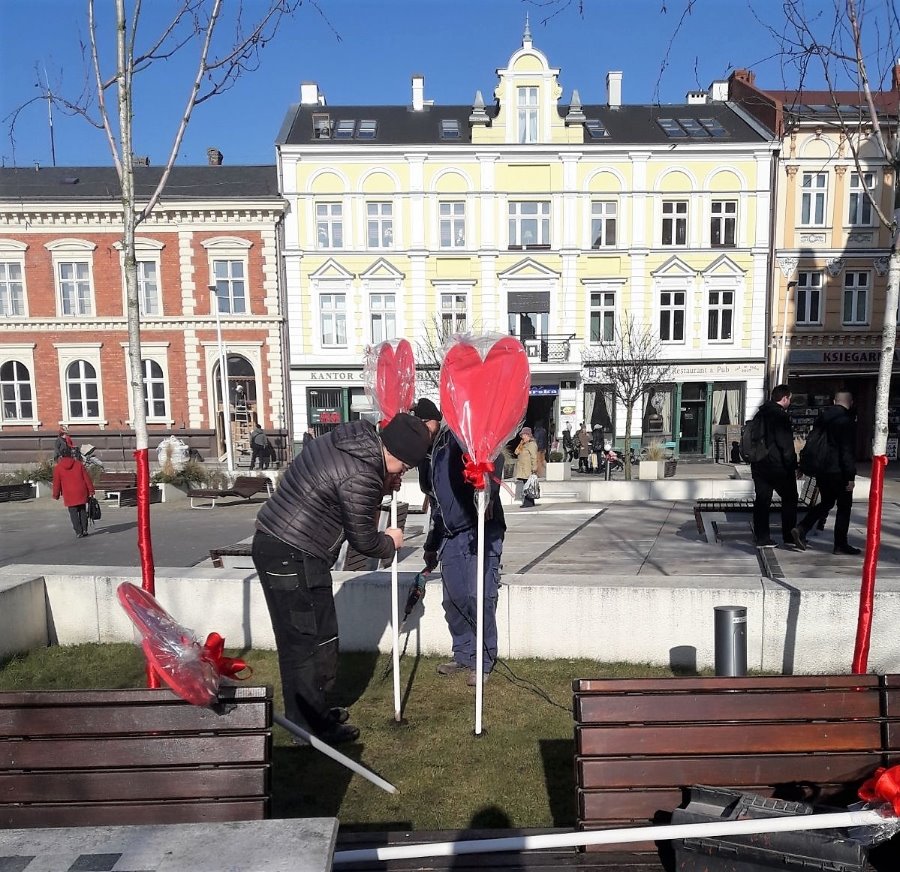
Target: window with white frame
[
  {"x": 154, "y": 390},
  {"x": 148, "y": 286},
  {"x": 529, "y": 224},
  {"x": 603, "y": 316},
  {"x": 809, "y": 298},
  {"x": 722, "y": 223},
  {"x": 82, "y": 390},
  {"x": 855, "y": 305},
  {"x": 603, "y": 223},
  {"x": 453, "y": 312},
  {"x": 329, "y": 225},
  {"x": 860, "y": 214},
  {"x": 333, "y": 315},
  {"x": 453, "y": 224},
  {"x": 380, "y": 225},
  {"x": 671, "y": 315},
  {"x": 73, "y": 279},
  {"x": 231, "y": 286},
  {"x": 720, "y": 315},
  {"x": 813, "y": 198},
  {"x": 12, "y": 290},
  {"x": 674, "y": 222},
  {"x": 527, "y": 104},
  {"x": 383, "y": 314},
  {"x": 16, "y": 392}
]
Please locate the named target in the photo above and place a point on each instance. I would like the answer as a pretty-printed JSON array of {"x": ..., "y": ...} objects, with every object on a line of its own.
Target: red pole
[
  {"x": 870, "y": 565},
  {"x": 145, "y": 544}
]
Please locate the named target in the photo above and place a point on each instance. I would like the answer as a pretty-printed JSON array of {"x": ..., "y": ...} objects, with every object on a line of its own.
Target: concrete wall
[{"x": 796, "y": 625}]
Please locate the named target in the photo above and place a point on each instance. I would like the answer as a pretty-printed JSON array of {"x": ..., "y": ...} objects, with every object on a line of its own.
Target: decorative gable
[
  {"x": 331, "y": 270},
  {"x": 382, "y": 270},
  {"x": 528, "y": 269},
  {"x": 724, "y": 267},
  {"x": 674, "y": 268}
]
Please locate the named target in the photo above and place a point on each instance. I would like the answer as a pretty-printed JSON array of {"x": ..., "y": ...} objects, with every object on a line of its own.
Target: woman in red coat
[{"x": 71, "y": 479}]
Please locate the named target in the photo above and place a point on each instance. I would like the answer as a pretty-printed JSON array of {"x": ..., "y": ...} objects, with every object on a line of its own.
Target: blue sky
[{"x": 456, "y": 44}]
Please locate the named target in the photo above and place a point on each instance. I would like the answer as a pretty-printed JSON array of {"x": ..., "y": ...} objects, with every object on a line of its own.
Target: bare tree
[
  {"x": 431, "y": 348},
  {"x": 629, "y": 364},
  {"x": 224, "y": 49}
]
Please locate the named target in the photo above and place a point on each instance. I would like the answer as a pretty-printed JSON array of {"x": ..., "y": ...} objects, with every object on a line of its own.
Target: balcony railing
[{"x": 548, "y": 347}]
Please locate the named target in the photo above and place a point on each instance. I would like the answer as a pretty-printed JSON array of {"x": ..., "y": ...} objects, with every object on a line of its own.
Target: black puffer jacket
[
  {"x": 840, "y": 425},
  {"x": 333, "y": 488},
  {"x": 782, "y": 457}
]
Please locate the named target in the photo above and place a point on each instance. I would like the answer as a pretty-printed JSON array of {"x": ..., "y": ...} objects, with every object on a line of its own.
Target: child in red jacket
[{"x": 71, "y": 479}]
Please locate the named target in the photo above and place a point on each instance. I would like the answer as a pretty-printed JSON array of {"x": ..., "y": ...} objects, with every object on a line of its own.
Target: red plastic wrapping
[
  {"x": 193, "y": 671},
  {"x": 485, "y": 381},
  {"x": 389, "y": 374}
]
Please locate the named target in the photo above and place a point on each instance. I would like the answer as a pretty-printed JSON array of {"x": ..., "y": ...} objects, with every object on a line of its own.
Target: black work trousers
[
  {"x": 785, "y": 485},
  {"x": 79, "y": 517},
  {"x": 832, "y": 492},
  {"x": 298, "y": 592}
]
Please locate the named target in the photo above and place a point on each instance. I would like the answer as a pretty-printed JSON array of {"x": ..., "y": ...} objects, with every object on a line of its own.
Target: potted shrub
[
  {"x": 40, "y": 477},
  {"x": 652, "y": 463},
  {"x": 557, "y": 469},
  {"x": 175, "y": 483}
]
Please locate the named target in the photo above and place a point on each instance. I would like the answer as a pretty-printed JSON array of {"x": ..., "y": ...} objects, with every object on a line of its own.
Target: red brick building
[{"x": 63, "y": 328}]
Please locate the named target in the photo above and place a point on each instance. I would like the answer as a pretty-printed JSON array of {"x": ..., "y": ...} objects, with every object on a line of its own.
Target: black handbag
[{"x": 93, "y": 508}]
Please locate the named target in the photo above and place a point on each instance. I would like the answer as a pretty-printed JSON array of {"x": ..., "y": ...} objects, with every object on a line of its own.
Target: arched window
[
  {"x": 82, "y": 390},
  {"x": 154, "y": 389},
  {"x": 15, "y": 392}
]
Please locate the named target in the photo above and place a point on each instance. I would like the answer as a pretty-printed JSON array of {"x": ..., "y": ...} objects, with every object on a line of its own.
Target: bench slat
[
  {"x": 228, "y": 695},
  {"x": 89, "y": 753},
  {"x": 134, "y": 784},
  {"x": 729, "y": 738},
  {"x": 675, "y": 686},
  {"x": 96, "y": 814},
  {"x": 800, "y": 706},
  {"x": 758, "y": 769}
]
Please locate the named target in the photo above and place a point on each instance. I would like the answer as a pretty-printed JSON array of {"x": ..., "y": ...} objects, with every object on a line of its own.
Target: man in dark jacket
[
  {"x": 835, "y": 481},
  {"x": 777, "y": 471},
  {"x": 332, "y": 490},
  {"x": 453, "y": 540}
]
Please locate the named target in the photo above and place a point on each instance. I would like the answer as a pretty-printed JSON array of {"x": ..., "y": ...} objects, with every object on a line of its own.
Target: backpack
[
  {"x": 753, "y": 441},
  {"x": 260, "y": 440},
  {"x": 813, "y": 458}
]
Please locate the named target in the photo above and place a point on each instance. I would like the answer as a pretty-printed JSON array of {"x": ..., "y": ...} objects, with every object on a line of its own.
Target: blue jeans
[
  {"x": 298, "y": 592},
  {"x": 459, "y": 567}
]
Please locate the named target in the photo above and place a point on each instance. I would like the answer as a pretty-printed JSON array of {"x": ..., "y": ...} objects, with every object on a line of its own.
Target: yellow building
[
  {"x": 544, "y": 219},
  {"x": 831, "y": 249}
]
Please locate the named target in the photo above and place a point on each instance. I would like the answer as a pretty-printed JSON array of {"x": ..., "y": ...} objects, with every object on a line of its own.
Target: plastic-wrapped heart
[
  {"x": 390, "y": 377},
  {"x": 484, "y": 392}
]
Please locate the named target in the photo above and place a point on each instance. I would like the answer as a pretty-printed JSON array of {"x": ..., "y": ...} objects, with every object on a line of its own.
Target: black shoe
[
  {"x": 338, "y": 715},
  {"x": 338, "y": 734},
  {"x": 847, "y": 549},
  {"x": 799, "y": 538}
]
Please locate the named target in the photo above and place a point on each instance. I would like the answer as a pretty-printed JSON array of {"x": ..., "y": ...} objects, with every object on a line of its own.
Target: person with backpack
[
  {"x": 259, "y": 448},
  {"x": 830, "y": 456},
  {"x": 769, "y": 448}
]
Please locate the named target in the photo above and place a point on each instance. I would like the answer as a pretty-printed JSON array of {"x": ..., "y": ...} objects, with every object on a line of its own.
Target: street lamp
[
  {"x": 223, "y": 376},
  {"x": 787, "y": 295}
]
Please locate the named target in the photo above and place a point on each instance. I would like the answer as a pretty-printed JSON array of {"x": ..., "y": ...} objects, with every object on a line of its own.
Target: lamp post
[
  {"x": 223, "y": 376},
  {"x": 787, "y": 295}
]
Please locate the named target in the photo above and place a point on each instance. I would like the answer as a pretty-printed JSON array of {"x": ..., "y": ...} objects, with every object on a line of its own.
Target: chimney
[
  {"x": 718, "y": 91},
  {"x": 140, "y": 160},
  {"x": 895, "y": 76},
  {"x": 418, "y": 92},
  {"x": 214, "y": 157},
  {"x": 309, "y": 95},
  {"x": 747, "y": 76},
  {"x": 614, "y": 89},
  {"x": 696, "y": 98}
]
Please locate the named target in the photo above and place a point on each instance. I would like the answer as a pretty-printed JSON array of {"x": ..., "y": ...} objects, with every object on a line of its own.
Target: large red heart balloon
[
  {"x": 391, "y": 378},
  {"x": 484, "y": 395}
]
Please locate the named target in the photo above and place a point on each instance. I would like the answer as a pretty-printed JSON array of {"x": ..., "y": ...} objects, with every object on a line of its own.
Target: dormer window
[
  {"x": 367, "y": 130},
  {"x": 321, "y": 125},
  {"x": 345, "y": 128},
  {"x": 449, "y": 128},
  {"x": 527, "y": 100},
  {"x": 595, "y": 128}
]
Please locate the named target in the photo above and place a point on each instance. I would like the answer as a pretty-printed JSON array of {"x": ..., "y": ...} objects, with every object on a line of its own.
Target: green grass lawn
[{"x": 521, "y": 766}]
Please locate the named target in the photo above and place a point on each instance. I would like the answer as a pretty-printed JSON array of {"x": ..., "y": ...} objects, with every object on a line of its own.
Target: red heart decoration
[
  {"x": 393, "y": 378},
  {"x": 484, "y": 399}
]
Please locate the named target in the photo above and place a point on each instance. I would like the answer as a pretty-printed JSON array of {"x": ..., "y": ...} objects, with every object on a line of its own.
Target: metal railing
[{"x": 548, "y": 347}]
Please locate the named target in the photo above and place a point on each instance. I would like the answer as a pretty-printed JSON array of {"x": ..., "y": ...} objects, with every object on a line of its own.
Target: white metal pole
[
  {"x": 395, "y": 616},
  {"x": 787, "y": 295},
  {"x": 479, "y": 611},
  {"x": 223, "y": 378}
]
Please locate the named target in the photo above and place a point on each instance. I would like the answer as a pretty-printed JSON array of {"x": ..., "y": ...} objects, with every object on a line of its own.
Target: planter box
[
  {"x": 171, "y": 492},
  {"x": 648, "y": 470},
  {"x": 559, "y": 471},
  {"x": 41, "y": 489}
]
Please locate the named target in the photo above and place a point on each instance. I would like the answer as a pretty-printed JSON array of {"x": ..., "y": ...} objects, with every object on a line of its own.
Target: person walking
[
  {"x": 63, "y": 440},
  {"x": 72, "y": 482},
  {"x": 259, "y": 447},
  {"x": 332, "y": 490},
  {"x": 836, "y": 477},
  {"x": 526, "y": 464},
  {"x": 583, "y": 442},
  {"x": 598, "y": 446},
  {"x": 453, "y": 541},
  {"x": 568, "y": 443},
  {"x": 777, "y": 470},
  {"x": 540, "y": 440}
]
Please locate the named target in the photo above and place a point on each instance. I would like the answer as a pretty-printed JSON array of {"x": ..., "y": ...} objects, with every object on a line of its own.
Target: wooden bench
[
  {"x": 15, "y": 492},
  {"x": 807, "y": 496},
  {"x": 112, "y": 757},
  {"x": 639, "y": 743},
  {"x": 128, "y": 496},
  {"x": 113, "y": 483},
  {"x": 245, "y": 487}
]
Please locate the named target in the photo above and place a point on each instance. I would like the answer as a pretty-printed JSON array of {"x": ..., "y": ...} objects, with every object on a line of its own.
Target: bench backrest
[
  {"x": 639, "y": 743},
  {"x": 113, "y": 757},
  {"x": 113, "y": 480}
]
